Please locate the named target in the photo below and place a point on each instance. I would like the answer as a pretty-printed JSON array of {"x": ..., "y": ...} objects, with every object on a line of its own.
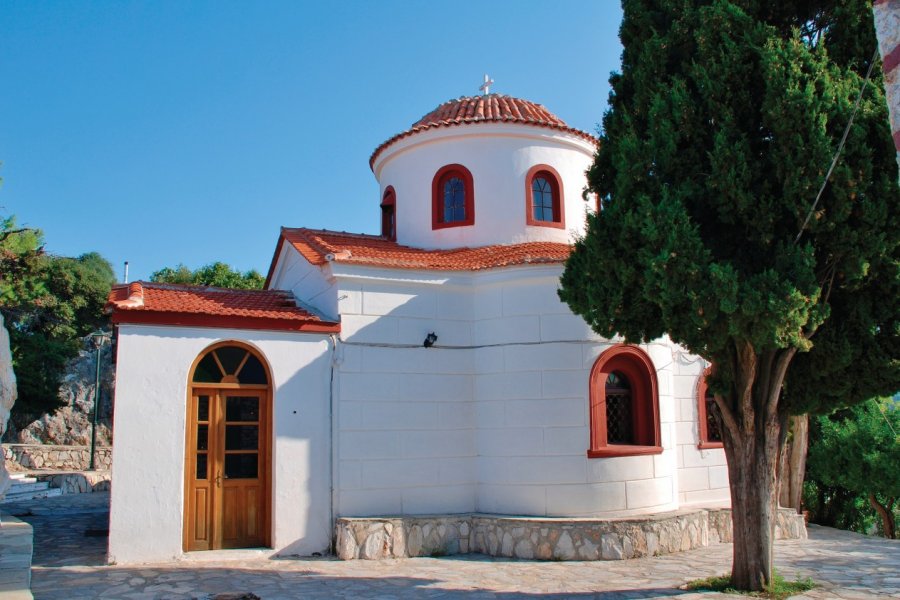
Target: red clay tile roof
[
  {"x": 493, "y": 108},
  {"x": 321, "y": 246},
  {"x": 169, "y": 304}
]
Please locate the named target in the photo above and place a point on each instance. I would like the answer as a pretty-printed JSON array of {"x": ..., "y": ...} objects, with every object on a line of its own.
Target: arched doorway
[{"x": 228, "y": 450}]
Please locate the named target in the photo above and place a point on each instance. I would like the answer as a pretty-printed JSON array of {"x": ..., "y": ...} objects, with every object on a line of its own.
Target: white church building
[{"x": 430, "y": 370}]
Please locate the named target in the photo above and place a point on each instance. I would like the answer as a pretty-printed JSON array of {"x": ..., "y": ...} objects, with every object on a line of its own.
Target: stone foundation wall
[
  {"x": 78, "y": 483},
  {"x": 541, "y": 538},
  {"x": 23, "y": 457},
  {"x": 788, "y": 525}
]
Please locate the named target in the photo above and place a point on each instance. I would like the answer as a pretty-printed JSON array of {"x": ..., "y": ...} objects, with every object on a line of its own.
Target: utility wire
[{"x": 840, "y": 148}]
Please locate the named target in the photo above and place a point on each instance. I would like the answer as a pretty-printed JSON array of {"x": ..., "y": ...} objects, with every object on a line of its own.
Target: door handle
[{"x": 218, "y": 479}]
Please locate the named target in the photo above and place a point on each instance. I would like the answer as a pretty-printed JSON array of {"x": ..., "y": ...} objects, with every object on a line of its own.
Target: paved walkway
[{"x": 68, "y": 564}]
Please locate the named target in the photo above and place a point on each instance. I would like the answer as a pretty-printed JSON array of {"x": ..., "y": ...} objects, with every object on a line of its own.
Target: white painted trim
[
  {"x": 449, "y": 279},
  {"x": 475, "y": 130}
]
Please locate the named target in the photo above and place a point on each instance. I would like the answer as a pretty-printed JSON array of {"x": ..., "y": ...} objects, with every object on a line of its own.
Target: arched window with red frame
[
  {"x": 708, "y": 423},
  {"x": 452, "y": 197},
  {"x": 389, "y": 214},
  {"x": 544, "y": 198},
  {"x": 624, "y": 409}
]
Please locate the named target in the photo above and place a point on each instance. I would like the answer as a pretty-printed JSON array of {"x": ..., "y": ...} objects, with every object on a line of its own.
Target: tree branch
[
  {"x": 774, "y": 389},
  {"x": 10, "y": 232},
  {"x": 745, "y": 375},
  {"x": 727, "y": 415}
]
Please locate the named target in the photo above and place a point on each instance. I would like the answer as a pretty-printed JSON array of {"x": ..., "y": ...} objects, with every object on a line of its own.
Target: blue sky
[{"x": 189, "y": 132}]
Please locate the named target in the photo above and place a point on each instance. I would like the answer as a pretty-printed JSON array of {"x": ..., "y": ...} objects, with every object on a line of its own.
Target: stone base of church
[{"x": 543, "y": 538}]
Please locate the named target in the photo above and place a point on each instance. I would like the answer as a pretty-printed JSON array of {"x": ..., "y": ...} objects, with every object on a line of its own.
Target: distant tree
[
  {"x": 48, "y": 303},
  {"x": 858, "y": 449},
  {"x": 721, "y": 128},
  {"x": 835, "y": 506},
  {"x": 216, "y": 274}
]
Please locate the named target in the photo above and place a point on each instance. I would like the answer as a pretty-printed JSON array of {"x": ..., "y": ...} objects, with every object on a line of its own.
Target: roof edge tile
[{"x": 474, "y": 110}]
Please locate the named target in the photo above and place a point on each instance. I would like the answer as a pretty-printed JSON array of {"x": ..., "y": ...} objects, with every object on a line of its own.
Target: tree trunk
[
  {"x": 887, "y": 516},
  {"x": 751, "y": 476},
  {"x": 792, "y": 466},
  {"x": 755, "y": 428}
]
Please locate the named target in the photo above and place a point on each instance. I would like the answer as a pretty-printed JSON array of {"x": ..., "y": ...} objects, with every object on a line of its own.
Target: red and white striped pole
[{"x": 887, "y": 28}]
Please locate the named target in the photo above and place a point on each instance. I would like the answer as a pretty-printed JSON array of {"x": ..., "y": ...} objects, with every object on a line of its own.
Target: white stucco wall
[
  {"x": 532, "y": 399},
  {"x": 499, "y": 425},
  {"x": 146, "y": 514},
  {"x": 702, "y": 474},
  {"x": 406, "y": 441},
  {"x": 499, "y": 157},
  {"x": 310, "y": 284}
]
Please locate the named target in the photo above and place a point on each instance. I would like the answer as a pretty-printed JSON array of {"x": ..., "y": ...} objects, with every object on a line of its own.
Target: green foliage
[
  {"x": 834, "y": 506},
  {"x": 779, "y": 590},
  {"x": 48, "y": 303},
  {"x": 855, "y": 453},
  {"x": 216, "y": 274},
  {"x": 721, "y": 127}
]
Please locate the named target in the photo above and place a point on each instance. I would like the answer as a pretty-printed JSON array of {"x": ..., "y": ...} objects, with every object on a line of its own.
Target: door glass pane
[
  {"x": 202, "y": 437},
  {"x": 201, "y": 466},
  {"x": 231, "y": 357},
  {"x": 203, "y": 408},
  {"x": 253, "y": 371},
  {"x": 242, "y": 408},
  {"x": 241, "y": 437},
  {"x": 240, "y": 466},
  {"x": 208, "y": 371}
]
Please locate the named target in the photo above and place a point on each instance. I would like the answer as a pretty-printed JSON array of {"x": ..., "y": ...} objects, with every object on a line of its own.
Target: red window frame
[
  {"x": 702, "y": 429},
  {"x": 634, "y": 364},
  {"x": 559, "y": 213},
  {"x": 389, "y": 208},
  {"x": 437, "y": 196}
]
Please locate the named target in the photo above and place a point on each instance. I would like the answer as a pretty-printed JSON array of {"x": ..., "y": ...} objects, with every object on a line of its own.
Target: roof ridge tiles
[
  {"x": 500, "y": 108},
  {"x": 210, "y": 306},
  {"x": 322, "y": 246},
  {"x": 160, "y": 285}
]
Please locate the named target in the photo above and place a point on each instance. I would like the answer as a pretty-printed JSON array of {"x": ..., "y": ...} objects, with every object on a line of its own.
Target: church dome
[
  {"x": 465, "y": 175},
  {"x": 491, "y": 108}
]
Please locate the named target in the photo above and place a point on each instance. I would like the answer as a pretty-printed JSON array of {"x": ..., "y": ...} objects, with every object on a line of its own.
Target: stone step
[
  {"x": 22, "y": 478},
  {"x": 16, "y": 547},
  {"x": 28, "y": 486},
  {"x": 77, "y": 482},
  {"x": 17, "y": 497}
]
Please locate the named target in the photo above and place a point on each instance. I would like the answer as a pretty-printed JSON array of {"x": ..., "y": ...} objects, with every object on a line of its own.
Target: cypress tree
[{"x": 721, "y": 127}]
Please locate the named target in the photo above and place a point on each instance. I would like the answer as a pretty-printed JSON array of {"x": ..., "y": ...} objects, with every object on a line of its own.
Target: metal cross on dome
[{"x": 486, "y": 86}]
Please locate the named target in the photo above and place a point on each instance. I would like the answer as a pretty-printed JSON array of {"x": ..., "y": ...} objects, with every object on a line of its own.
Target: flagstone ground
[{"x": 68, "y": 564}]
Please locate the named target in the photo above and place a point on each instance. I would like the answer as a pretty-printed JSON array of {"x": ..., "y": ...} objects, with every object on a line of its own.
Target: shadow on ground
[
  {"x": 70, "y": 555},
  {"x": 205, "y": 583}
]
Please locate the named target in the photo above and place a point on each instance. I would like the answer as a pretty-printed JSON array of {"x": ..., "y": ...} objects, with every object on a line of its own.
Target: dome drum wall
[{"x": 499, "y": 157}]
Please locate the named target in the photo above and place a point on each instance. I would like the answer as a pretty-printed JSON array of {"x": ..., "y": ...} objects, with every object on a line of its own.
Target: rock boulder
[
  {"x": 71, "y": 424},
  {"x": 7, "y": 398}
]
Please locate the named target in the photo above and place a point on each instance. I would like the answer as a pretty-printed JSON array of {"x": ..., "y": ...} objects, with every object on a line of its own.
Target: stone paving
[{"x": 69, "y": 565}]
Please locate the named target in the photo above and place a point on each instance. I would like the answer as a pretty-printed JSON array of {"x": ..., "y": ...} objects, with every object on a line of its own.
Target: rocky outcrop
[
  {"x": 7, "y": 397},
  {"x": 71, "y": 424}
]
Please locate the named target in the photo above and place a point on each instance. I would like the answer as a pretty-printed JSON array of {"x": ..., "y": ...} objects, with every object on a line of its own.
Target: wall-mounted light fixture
[{"x": 430, "y": 339}]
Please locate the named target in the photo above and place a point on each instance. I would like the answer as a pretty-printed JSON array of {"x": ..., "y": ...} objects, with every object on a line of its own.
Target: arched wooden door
[{"x": 228, "y": 451}]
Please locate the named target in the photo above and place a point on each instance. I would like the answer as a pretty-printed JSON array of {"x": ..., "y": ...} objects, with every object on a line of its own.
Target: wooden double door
[{"x": 227, "y": 469}]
